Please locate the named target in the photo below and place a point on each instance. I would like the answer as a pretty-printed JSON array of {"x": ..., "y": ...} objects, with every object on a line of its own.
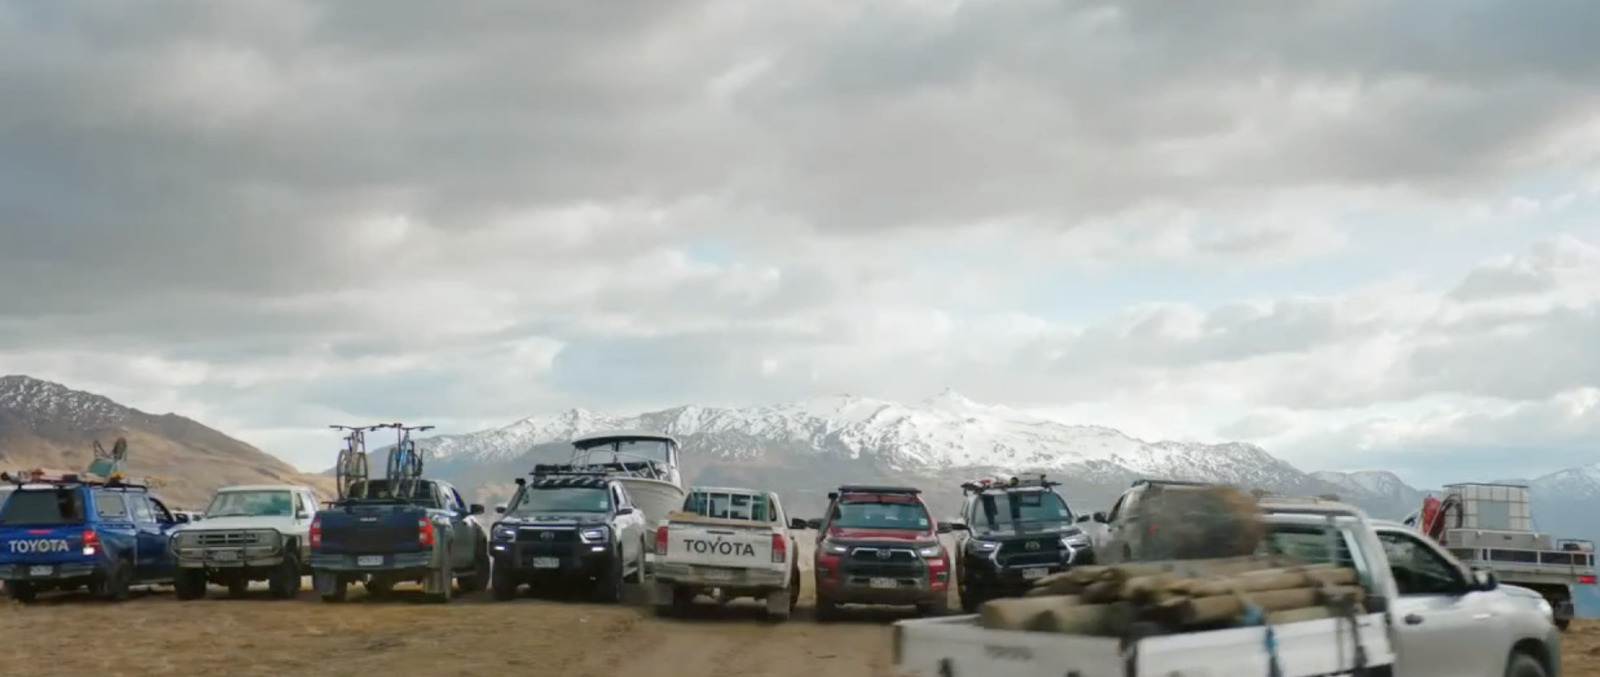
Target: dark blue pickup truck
[
  {"x": 429, "y": 536},
  {"x": 65, "y": 533}
]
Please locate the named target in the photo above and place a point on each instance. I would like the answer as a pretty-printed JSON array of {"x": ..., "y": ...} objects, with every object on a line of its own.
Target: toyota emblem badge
[
  {"x": 1033, "y": 545},
  {"x": 548, "y": 536},
  {"x": 883, "y": 554}
]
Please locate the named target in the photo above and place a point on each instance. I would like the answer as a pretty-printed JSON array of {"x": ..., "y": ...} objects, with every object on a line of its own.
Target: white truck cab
[
  {"x": 729, "y": 543},
  {"x": 257, "y": 532}
]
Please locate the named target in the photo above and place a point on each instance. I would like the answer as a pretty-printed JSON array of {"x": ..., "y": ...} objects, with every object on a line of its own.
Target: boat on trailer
[{"x": 644, "y": 462}]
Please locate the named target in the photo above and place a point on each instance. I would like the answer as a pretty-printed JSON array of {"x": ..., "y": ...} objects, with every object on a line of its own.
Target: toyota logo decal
[
  {"x": 1033, "y": 545},
  {"x": 883, "y": 554},
  {"x": 548, "y": 536}
]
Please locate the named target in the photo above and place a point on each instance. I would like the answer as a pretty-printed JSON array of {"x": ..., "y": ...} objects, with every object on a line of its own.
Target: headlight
[
  {"x": 832, "y": 548},
  {"x": 598, "y": 535},
  {"x": 983, "y": 546},
  {"x": 1075, "y": 541},
  {"x": 931, "y": 551},
  {"x": 503, "y": 533}
]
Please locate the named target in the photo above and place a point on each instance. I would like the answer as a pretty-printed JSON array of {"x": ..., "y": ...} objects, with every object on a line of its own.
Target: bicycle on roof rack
[
  {"x": 405, "y": 460},
  {"x": 352, "y": 465}
]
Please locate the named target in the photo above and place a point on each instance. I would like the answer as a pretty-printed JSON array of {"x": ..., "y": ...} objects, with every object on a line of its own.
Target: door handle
[{"x": 1413, "y": 619}]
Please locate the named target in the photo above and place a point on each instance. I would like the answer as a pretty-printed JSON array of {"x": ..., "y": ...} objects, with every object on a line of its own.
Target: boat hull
[{"x": 654, "y": 498}]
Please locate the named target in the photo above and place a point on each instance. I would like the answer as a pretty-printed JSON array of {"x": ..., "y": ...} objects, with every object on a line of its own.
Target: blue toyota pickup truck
[
  {"x": 63, "y": 532},
  {"x": 428, "y": 535}
]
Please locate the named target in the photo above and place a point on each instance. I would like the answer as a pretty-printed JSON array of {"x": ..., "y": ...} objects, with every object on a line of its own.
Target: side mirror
[
  {"x": 475, "y": 509},
  {"x": 300, "y": 515},
  {"x": 943, "y": 527},
  {"x": 814, "y": 524},
  {"x": 1484, "y": 580},
  {"x": 624, "y": 511},
  {"x": 180, "y": 518},
  {"x": 1101, "y": 518},
  {"x": 797, "y": 523},
  {"x": 500, "y": 509},
  {"x": 1082, "y": 518}
]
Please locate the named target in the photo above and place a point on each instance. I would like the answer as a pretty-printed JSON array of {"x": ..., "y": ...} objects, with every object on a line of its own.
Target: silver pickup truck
[{"x": 1432, "y": 618}]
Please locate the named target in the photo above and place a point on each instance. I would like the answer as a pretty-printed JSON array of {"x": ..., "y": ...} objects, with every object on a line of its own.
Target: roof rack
[
  {"x": 876, "y": 489},
  {"x": 45, "y": 476},
  {"x": 992, "y": 483},
  {"x": 1180, "y": 483}
]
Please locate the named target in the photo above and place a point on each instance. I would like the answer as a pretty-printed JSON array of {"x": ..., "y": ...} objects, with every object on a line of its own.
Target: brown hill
[{"x": 44, "y": 424}]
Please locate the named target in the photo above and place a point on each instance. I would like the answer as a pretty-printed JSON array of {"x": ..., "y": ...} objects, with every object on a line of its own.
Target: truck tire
[
  {"x": 794, "y": 586},
  {"x": 238, "y": 586},
  {"x": 637, "y": 577},
  {"x": 1523, "y": 665},
  {"x": 189, "y": 584},
  {"x": 340, "y": 591},
  {"x": 114, "y": 586},
  {"x": 284, "y": 581},
  {"x": 608, "y": 590},
  {"x": 1563, "y": 623},
  {"x": 479, "y": 579},
  {"x": 502, "y": 587},
  {"x": 827, "y": 610},
  {"x": 22, "y": 591}
]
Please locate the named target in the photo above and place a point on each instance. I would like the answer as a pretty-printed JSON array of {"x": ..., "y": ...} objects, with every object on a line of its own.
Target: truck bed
[{"x": 958, "y": 647}]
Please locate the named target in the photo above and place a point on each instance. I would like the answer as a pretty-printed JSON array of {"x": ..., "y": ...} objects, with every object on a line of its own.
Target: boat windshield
[{"x": 653, "y": 450}]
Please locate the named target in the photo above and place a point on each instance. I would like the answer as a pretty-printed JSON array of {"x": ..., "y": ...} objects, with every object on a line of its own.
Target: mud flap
[
  {"x": 778, "y": 602},
  {"x": 324, "y": 582},
  {"x": 438, "y": 582},
  {"x": 661, "y": 594}
]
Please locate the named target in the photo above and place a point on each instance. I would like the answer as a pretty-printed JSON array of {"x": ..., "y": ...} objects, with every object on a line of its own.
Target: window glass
[
  {"x": 1416, "y": 568},
  {"x": 109, "y": 505},
  {"x": 43, "y": 507},
  {"x": 141, "y": 509}
]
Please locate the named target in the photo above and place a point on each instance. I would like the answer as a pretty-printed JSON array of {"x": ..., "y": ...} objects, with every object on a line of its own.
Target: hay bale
[{"x": 1212, "y": 522}]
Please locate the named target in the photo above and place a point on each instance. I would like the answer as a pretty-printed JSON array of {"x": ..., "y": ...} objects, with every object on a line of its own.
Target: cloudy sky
[{"x": 1362, "y": 233}]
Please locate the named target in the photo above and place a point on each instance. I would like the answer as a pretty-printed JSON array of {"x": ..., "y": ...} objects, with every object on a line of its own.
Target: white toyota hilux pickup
[
  {"x": 249, "y": 533},
  {"x": 727, "y": 543},
  {"x": 1428, "y": 617}
]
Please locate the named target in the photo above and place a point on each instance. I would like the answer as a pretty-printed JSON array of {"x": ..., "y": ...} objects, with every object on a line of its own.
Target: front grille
[
  {"x": 885, "y": 570},
  {"x": 1029, "y": 552},
  {"x": 235, "y": 539},
  {"x": 531, "y": 535},
  {"x": 876, "y": 555}
]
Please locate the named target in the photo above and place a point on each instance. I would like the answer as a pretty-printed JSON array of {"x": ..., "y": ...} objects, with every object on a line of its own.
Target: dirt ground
[{"x": 155, "y": 635}]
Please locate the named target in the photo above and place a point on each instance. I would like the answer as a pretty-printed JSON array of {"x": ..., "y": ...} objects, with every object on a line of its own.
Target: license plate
[
  {"x": 369, "y": 561},
  {"x": 1031, "y": 574},
  {"x": 41, "y": 571},
  {"x": 717, "y": 574},
  {"x": 546, "y": 563},
  {"x": 884, "y": 583},
  {"x": 225, "y": 556}
]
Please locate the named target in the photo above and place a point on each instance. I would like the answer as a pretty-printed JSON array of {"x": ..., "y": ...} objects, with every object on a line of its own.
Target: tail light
[
  {"x": 1586, "y": 580},
  {"x": 316, "y": 532},
  {"x": 661, "y": 540},
  {"x": 91, "y": 542},
  {"x": 424, "y": 531},
  {"x": 780, "y": 549}
]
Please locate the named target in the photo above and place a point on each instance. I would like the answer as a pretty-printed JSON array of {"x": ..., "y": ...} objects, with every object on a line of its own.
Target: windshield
[
  {"x": 536, "y": 501},
  {"x": 649, "y": 450},
  {"x": 43, "y": 507},
  {"x": 880, "y": 514},
  {"x": 263, "y": 503},
  {"x": 727, "y": 505},
  {"x": 422, "y": 494},
  {"x": 1029, "y": 506}
]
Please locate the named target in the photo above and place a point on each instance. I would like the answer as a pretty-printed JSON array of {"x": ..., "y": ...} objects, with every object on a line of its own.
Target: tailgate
[
  {"x": 720, "y": 545},
  {"x": 374, "y": 530},
  {"x": 41, "y": 545}
]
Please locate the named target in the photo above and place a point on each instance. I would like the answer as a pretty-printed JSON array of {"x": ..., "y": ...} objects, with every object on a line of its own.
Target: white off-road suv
[{"x": 249, "y": 533}]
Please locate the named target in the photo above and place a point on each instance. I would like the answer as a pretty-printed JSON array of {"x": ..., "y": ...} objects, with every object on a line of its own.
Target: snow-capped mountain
[{"x": 828, "y": 440}]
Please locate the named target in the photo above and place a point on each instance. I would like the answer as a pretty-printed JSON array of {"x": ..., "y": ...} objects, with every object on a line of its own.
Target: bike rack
[{"x": 356, "y": 444}]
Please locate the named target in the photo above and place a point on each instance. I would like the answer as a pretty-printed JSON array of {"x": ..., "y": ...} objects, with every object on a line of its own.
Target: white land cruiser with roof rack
[
  {"x": 1426, "y": 616},
  {"x": 730, "y": 543},
  {"x": 248, "y": 533}
]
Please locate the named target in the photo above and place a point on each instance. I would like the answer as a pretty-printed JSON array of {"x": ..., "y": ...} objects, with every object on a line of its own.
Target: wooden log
[
  {"x": 1221, "y": 608},
  {"x": 1102, "y": 592},
  {"x": 1310, "y": 613},
  {"x": 1259, "y": 581},
  {"x": 1021, "y": 613}
]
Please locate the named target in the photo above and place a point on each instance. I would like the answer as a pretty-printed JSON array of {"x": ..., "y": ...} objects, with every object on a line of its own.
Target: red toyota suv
[{"x": 879, "y": 545}]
